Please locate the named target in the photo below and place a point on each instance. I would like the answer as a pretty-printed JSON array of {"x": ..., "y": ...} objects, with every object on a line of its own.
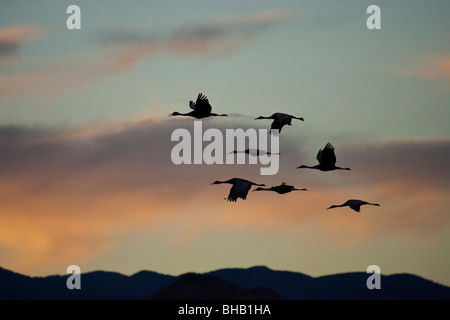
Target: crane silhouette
[
  {"x": 200, "y": 109},
  {"x": 281, "y": 189},
  {"x": 239, "y": 189},
  {"x": 280, "y": 120},
  {"x": 354, "y": 204},
  {"x": 327, "y": 160},
  {"x": 255, "y": 152}
]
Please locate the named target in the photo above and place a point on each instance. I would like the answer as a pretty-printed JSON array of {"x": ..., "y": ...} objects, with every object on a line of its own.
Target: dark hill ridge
[
  {"x": 232, "y": 284},
  {"x": 94, "y": 285},
  {"x": 194, "y": 286},
  {"x": 343, "y": 286},
  {"x": 288, "y": 284}
]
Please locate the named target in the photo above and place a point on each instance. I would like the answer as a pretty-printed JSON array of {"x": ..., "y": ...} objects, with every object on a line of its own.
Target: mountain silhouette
[
  {"x": 94, "y": 285},
  {"x": 257, "y": 282},
  {"x": 344, "y": 286},
  {"x": 193, "y": 286}
]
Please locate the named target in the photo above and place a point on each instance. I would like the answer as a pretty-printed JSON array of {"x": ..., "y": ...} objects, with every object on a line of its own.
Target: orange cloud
[
  {"x": 54, "y": 78},
  {"x": 434, "y": 68},
  {"x": 50, "y": 228},
  {"x": 11, "y": 38}
]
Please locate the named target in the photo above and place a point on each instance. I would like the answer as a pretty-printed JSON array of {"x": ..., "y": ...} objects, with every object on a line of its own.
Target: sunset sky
[{"x": 86, "y": 175}]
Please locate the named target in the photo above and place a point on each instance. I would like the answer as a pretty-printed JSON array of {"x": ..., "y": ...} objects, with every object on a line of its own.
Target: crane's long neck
[
  {"x": 339, "y": 168},
  {"x": 176, "y": 113},
  {"x": 218, "y": 115},
  {"x": 226, "y": 181},
  {"x": 308, "y": 167},
  {"x": 337, "y": 206}
]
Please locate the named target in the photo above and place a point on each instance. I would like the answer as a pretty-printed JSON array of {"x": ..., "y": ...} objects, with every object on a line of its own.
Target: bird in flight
[
  {"x": 280, "y": 120},
  {"x": 354, "y": 204},
  {"x": 281, "y": 189},
  {"x": 256, "y": 152},
  {"x": 327, "y": 160},
  {"x": 200, "y": 109},
  {"x": 239, "y": 189}
]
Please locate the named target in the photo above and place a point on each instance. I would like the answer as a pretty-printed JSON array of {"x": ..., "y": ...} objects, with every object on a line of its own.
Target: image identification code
[{"x": 227, "y": 309}]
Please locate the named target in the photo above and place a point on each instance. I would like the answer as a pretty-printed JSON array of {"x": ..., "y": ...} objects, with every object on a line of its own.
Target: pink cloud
[
  {"x": 434, "y": 68},
  {"x": 221, "y": 35},
  {"x": 121, "y": 50},
  {"x": 12, "y": 37},
  {"x": 260, "y": 17}
]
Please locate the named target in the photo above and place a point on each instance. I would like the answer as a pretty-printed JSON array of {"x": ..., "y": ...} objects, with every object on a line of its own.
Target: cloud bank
[
  {"x": 72, "y": 193},
  {"x": 11, "y": 38},
  {"x": 118, "y": 50},
  {"x": 434, "y": 67},
  {"x": 222, "y": 35}
]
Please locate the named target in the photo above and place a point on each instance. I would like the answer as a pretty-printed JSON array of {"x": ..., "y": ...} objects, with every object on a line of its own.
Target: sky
[{"x": 86, "y": 175}]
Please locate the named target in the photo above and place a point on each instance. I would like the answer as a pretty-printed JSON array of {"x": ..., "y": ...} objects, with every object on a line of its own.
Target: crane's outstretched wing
[
  {"x": 202, "y": 104},
  {"x": 277, "y": 125},
  {"x": 232, "y": 197},
  {"x": 284, "y": 118},
  {"x": 192, "y": 105},
  {"x": 319, "y": 156},
  {"x": 242, "y": 188},
  {"x": 326, "y": 157}
]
